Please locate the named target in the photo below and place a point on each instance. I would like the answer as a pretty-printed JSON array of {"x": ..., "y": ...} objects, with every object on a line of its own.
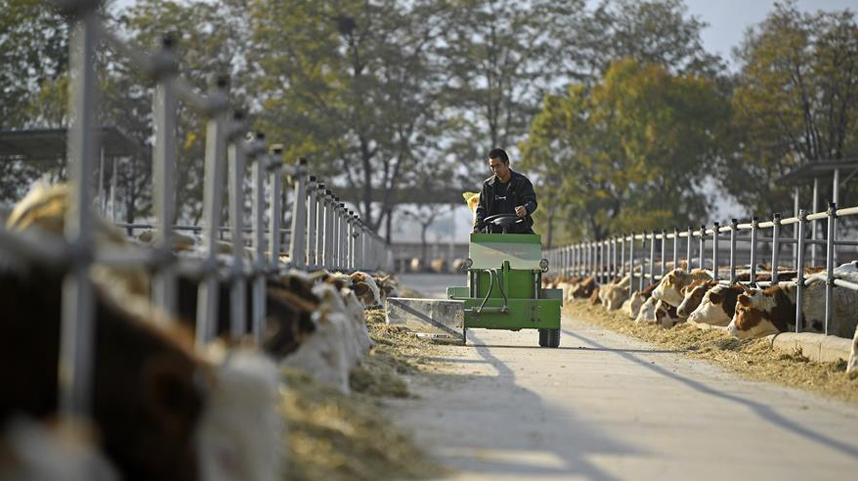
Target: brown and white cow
[
  {"x": 612, "y": 295},
  {"x": 718, "y": 306},
  {"x": 694, "y": 293},
  {"x": 666, "y": 315},
  {"x": 632, "y": 305},
  {"x": 772, "y": 310},
  {"x": 668, "y": 289},
  {"x": 584, "y": 289},
  {"x": 852, "y": 365}
]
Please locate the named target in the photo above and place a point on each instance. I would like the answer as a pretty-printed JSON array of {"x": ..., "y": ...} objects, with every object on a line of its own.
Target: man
[{"x": 506, "y": 192}]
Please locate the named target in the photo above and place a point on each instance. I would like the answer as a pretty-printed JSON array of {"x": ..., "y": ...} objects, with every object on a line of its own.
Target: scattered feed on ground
[
  {"x": 333, "y": 436},
  {"x": 753, "y": 358}
]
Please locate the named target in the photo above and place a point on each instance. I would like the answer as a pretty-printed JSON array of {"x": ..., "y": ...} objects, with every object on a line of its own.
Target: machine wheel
[
  {"x": 543, "y": 337},
  {"x": 553, "y": 338}
]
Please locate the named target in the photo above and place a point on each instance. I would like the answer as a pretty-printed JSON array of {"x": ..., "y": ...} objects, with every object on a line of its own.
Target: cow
[
  {"x": 666, "y": 316},
  {"x": 595, "y": 297},
  {"x": 694, "y": 293},
  {"x": 366, "y": 289},
  {"x": 718, "y": 306},
  {"x": 647, "y": 311},
  {"x": 584, "y": 289},
  {"x": 772, "y": 310},
  {"x": 149, "y": 386},
  {"x": 612, "y": 295},
  {"x": 668, "y": 289},
  {"x": 633, "y": 305},
  {"x": 439, "y": 265}
]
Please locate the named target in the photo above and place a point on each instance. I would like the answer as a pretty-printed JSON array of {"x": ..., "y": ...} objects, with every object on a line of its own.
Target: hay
[
  {"x": 333, "y": 436},
  {"x": 752, "y": 359}
]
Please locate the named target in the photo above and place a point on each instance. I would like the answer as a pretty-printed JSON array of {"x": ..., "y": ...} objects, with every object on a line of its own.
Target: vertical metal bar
[
  {"x": 297, "y": 239},
  {"x": 734, "y": 223},
  {"x": 114, "y": 180},
  {"x": 100, "y": 196},
  {"x": 799, "y": 294},
  {"x": 321, "y": 206},
  {"x": 164, "y": 195},
  {"x": 236, "y": 161},
  {"x": 702, "y": 252},
  {"x": 814, "y": 224},
  {"x": 77, "y": 341},
  {"x": 776, "y": 246},
  {"x": 688, "y": 241},
  {"x": 715, "y": 246},
  {"x": 643, "y": 262},
  {"x": 835, "y": 194},
  {"x": 259, "y": 280},
  {"x": 632, "y": 264},
  {"x": 311, "y": 222},
  {"x": 215, "y": 166},
  {"x": 275, "y": 206},
  {"x": 829, "y": 265},
  {"x": 663, "y": 250},
  {"x": 329, "y": 231},
  {"x": 652, "y": 257},
  {"x": 795, "y": 208},
  {"x": 623, "y": 256},
  {"x": 753, "y": 274}
]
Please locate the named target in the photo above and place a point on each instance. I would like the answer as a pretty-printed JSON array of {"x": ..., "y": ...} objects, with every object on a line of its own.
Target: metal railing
[
  {"x": 601, "y": 259},
  {"x": 323, "y": 233}
]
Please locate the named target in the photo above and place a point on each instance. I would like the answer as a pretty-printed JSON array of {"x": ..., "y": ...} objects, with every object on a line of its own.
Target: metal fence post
[
  {"x": 776, "y": 246},
  {"x": 235, "y": 192},
  {"x": 652, "y": 258},
  {"x": 829, "y": 265},
  {"x": 297, "y": 239},
  {"x": 632, "y": 264},
  {"x": 259, "y": 169},
  {"x": 215, "y": 165},
  {"x": 715, "y": 246},
  {"x": 275, "y": 207},
  {"x": 164, "y": 188},
  {"x": 328, "y": 232},
  {"x": 77, "y": 335},
  {"x": 676, "y": 249},
  {"x": 688, "y": 241},
  {"x": 702, "y": 252},
  {"x": 311, "y": 222},
  {"x": 663, "y": 252},
  {"x": 734, "y": 223},
  {"x": 643, "y": 262},
  {"x": 753, "y": 274},
  {"x": 799, "y": 302}
]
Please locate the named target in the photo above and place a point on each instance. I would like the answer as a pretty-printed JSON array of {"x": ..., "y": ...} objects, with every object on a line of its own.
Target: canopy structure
[{"x": 46, "y": 144}]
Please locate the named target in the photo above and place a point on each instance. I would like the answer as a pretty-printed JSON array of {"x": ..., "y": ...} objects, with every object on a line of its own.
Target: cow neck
[
  {"x": 731, "y": 297},
  {"x": 782, "y": 312}
]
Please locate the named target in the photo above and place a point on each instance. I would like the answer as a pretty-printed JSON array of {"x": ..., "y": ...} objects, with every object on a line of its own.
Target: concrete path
[{"x": 606, "y": 407}]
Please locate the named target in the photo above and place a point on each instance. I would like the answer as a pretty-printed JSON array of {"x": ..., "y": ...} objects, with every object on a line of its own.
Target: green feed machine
[{"x": 504, "y": 291}]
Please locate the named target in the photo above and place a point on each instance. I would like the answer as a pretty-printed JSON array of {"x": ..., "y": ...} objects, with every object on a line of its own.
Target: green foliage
[
  {"x": 628, "y": 154},
  {"x": 795, "y": 101}
]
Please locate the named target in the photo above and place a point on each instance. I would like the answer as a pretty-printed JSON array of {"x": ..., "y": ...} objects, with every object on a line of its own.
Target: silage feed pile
[
  {"x": 752, "y": 359},
  {"x": 334, "y": 436}
]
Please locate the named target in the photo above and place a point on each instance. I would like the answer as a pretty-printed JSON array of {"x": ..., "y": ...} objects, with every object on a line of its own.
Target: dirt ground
[{"x": 752, "y": 359}]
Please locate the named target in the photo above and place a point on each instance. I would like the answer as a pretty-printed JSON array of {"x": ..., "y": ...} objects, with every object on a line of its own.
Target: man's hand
[{"x": 520, "y": 211}]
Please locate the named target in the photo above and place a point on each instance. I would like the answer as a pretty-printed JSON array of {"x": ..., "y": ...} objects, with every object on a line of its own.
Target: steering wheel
[{"x": 503, "y": 220}]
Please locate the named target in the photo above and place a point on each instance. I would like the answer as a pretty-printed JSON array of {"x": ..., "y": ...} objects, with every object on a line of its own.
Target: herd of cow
[
  {"x": 740, "y": 307},
  {"x": 162, "y": 407}
]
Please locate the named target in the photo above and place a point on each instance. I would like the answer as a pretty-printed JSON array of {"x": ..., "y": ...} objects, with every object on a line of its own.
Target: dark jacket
[{"x": 519, "y": 191}]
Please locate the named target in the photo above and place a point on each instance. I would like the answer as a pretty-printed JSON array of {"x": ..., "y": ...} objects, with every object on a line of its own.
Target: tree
[
  {"x": 796, "y": 101},
  {"x": 617, "y": 150},
  {"x": 352, "y": 86}
]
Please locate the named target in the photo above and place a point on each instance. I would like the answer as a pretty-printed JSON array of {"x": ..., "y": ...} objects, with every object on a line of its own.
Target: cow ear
[
  {"x": 360, "y": 288},
  {"x": 715, "y": 298},
  {"x": 170, "y": 394},
  {"x": 744, "y": 300}
]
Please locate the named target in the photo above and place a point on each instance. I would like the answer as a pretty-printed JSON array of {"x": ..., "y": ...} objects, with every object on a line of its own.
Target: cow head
[
  {"x": 668, "y": 288},
  {"x": 665, "y": 315},
  {"x": 717, "y": 307},
  {"x": 633, "y": 305},
  {"x": 760, "y": 313},
  {"x": 366, "y": 289},
  {"x": 647, "y": 311},
  {"x": 693, "y": 297}
]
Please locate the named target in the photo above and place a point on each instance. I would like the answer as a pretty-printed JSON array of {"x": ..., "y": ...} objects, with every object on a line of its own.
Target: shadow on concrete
[
  {"x": 542, "y": 441},
  {"x": 763, "y": 411},
  {"x": 576, "y": 348}
]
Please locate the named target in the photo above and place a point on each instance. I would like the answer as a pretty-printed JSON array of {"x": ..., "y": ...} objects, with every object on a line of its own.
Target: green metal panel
[
  {"x": 489, "y": 251},
  {"x": 516, "y": 284},
  {"x": 458, "y": 292},
  {"x": 523, "y": 314},
  {"x": 551, "y": 294}
]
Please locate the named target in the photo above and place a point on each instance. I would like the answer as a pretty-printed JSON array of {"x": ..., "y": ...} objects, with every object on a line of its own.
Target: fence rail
[
  {"x": 606, "y": 261},
  {"x": 323, "y": 233}
]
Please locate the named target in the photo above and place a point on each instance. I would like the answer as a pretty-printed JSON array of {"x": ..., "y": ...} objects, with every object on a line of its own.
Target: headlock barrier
[
  {"x": 323, "y": 233},
  {"x": 635, "y": 254}
]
